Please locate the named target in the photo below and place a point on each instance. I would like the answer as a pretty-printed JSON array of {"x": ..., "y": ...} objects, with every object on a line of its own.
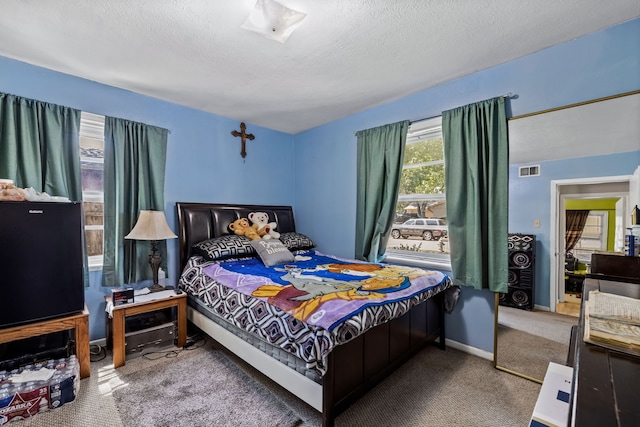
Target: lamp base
[{"x": 156, "y": 287}]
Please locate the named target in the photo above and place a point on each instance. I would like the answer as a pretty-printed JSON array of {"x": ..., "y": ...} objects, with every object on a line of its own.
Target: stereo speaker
[
  {"x": 519, "y": 298},
  {"x": 522, "y": 250}
]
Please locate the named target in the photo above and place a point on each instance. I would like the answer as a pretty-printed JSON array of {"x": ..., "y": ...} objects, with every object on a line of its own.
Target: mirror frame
[{"x": 495, "y": 346}]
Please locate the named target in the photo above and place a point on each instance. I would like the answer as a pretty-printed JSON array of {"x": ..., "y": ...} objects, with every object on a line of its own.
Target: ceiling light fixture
[{"x": 273, "y": 20}]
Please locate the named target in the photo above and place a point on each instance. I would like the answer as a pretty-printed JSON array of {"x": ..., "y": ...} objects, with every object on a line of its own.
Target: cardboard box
[
  {"x": 121, "y": 296},
  {"x": 552, "y": 406}
]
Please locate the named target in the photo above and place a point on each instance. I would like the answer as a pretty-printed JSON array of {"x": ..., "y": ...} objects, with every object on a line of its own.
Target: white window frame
[
  {"x": 417, "y": 132},
  {"x": 584, "y": 254},
  {"x": 92, "y": 127}
]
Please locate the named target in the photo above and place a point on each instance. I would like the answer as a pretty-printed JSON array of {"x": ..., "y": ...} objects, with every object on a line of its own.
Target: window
[
  {"x": 419, "y": 229},
  {"x": 92, "y": 169},
  {"x": 594, "y": 236}
]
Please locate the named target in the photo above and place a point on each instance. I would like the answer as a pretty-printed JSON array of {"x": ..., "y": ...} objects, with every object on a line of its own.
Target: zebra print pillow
[
  {"x": 224, "y": 247},
  {"x": 296, "y": 241}
]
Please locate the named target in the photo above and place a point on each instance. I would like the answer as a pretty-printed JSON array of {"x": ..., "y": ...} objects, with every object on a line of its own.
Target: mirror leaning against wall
[{"x": 528, "y": 336}]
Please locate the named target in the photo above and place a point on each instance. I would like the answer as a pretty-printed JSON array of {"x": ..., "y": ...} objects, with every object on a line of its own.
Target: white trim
[
  {"x": 301, "y": 386},
  {"x": 474, "y": 351},
  {"x": 96, "y": 262},
  {"x": 443, "y": 264},
  {"x": 102, "y": 342},
  {"x": 556, "y": 242}
]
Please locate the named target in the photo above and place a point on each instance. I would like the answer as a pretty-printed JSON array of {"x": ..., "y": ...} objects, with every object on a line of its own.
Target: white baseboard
[
  {"x": 541, "y": 307},
  {"x": 469, "y": 349},
  {"x": 102, "y": 342}
]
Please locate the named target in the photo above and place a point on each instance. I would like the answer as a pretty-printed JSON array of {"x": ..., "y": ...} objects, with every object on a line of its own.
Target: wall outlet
[{"x": 536, "y": 223}]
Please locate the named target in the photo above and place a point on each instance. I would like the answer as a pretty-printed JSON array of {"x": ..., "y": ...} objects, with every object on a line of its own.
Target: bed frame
[{"x": 353, "y": 368}]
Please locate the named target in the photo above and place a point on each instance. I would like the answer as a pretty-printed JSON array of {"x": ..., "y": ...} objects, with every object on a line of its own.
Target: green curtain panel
[
  {"x": 40, "y": 146},
  {"x": 380, "y": 159},
  {"x": 476, "y": 146},
  {"x": 134, "y": 166}
]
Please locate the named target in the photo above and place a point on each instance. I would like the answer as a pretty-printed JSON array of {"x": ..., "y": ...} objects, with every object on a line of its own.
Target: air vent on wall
[{"x": 526, "y": 171}]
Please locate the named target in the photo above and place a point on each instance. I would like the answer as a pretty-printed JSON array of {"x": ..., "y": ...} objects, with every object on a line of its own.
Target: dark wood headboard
[{"x": 202, "y": 221}]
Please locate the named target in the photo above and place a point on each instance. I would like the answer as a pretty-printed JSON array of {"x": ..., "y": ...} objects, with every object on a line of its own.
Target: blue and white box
[{"x": 552, "y": 406}]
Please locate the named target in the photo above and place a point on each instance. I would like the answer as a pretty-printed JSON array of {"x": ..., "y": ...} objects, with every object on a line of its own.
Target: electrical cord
[
  {"x": 96, "y": 350},
  {"x": 193, "y": 343}
]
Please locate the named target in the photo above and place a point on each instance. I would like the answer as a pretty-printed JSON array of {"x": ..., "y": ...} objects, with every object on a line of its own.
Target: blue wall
[
  {"x": 203, "y": 158},
  {"x": 601, "y": 64},
  {"x": 317, "y": 174},
  {"x": 529, "y": 199}
]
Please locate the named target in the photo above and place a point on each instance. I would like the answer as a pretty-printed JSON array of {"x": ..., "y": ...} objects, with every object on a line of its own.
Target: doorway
[{"x": 562, "y": 191}]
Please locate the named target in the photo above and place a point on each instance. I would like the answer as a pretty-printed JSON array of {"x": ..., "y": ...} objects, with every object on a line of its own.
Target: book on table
[{"x": 613, "y": 321}]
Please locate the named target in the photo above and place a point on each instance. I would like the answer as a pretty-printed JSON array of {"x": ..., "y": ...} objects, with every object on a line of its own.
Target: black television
[{"x": 41, "y": 261}]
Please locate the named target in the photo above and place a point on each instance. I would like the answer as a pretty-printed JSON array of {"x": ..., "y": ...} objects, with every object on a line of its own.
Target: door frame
[{"x": 557, "y": 224}]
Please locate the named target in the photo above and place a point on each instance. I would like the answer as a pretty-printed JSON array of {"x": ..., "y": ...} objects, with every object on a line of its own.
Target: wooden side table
[
  {"x": 78, "y": 322},
  {"x": 116, "y": 324}
]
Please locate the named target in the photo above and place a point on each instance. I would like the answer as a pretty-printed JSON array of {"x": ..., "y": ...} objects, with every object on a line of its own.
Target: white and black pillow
[
  {"x": 272, "y": 252},
  {"x": 224, "y": 247},
  {"x": 296, "y": 241}
]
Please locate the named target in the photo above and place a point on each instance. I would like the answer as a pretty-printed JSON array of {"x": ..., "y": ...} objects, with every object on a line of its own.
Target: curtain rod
[
  {"x": 578, "y": 104},
  {"x": 506, "y": 95}
]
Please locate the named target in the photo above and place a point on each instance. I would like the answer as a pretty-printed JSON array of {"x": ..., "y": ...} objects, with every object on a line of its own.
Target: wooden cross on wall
[{"x": 244, "y": 136}]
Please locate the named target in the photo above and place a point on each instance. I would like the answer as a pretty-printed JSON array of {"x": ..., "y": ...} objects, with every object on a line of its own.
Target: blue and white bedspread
[{"x": 309, "y": 306}]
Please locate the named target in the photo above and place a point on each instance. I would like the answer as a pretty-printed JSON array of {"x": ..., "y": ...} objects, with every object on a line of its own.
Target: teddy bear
[
  {"x": 266, "y": 229},
  {"x": 242, "y": 227},
  {"x": 8, "y": 191}
]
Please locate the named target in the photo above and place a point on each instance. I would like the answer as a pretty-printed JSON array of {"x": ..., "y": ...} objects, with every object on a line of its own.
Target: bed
[{"x": 327, "y": 365}]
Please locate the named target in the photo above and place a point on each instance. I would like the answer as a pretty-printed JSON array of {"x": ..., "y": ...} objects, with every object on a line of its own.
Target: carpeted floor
[
  {"x": 528, "y": 354},
  {"x": 221, "y": 395},
  {"x": 552, "y": 326},
  {"x": 529, "y": 340},
  {"x": 434, "y": 388}
]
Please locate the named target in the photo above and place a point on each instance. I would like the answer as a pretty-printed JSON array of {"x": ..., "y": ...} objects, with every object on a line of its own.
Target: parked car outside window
[{"x": 426, "y": 228}]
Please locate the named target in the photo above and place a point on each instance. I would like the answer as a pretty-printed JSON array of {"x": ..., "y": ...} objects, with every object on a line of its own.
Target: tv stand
[{"x": 79, "y": 322}]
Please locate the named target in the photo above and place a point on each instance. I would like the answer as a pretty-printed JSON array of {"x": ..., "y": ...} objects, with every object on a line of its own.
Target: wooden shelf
[
  {"x": 116, "y": 324},
  {"x": 79, "y": 322}
]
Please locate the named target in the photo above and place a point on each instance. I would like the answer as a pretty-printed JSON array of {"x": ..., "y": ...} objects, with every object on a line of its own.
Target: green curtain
[
  {"x": 476, "y": 146},
  {"x": 380, "y": 160},
  {"x": 134, "y": 165},
  {"x": 40, "y": 146}
]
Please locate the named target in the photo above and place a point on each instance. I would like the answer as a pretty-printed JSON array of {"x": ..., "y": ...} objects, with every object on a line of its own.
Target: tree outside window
[{"x": 421, "y": 194}]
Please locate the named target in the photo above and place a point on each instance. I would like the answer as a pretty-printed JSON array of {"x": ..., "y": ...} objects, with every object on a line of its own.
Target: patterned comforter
[{"x": 311, "y": 305}]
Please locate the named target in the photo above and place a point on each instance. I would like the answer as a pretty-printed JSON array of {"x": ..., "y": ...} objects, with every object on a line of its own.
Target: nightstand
[{"x": 144, "y": 304}]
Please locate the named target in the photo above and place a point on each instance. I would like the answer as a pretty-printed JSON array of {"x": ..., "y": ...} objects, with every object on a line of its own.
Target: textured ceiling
[{"x": 346, "y": 56}]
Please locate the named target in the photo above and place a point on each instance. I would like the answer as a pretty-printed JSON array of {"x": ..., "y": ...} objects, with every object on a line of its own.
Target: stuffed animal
[
  {"x": 242, "y": 227},
  {"x": 8, "y": 191},
  {"x": 266, "y": 229}
]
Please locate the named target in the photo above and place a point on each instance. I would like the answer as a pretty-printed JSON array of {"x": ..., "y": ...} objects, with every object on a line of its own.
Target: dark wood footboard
[
  {"x": 356, "y": 367},
  {"x": 353, "y": 368}
]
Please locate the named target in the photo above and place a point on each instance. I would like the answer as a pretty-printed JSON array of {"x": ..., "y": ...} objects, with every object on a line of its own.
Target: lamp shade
[
  {"x": 273, "y": 20},
  {"x": 151, "y": 225}
]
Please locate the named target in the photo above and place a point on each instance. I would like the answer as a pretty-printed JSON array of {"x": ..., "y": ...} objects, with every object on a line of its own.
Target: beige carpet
[
  {"x": 528, "y": 354},
  {"x": 529, "y": 340},
  {"x": 435, "y": 388},
  {"x": 552, "y": 326},
  {"x": 222, "y": 395}
]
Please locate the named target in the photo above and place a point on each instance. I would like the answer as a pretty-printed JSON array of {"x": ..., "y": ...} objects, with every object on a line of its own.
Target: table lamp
[{"x": 152, "y": 225}]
